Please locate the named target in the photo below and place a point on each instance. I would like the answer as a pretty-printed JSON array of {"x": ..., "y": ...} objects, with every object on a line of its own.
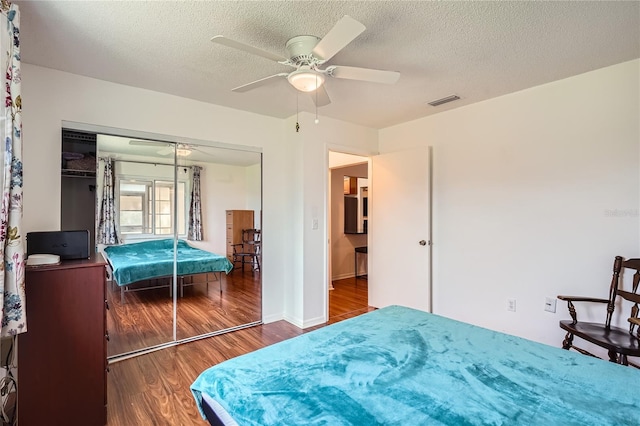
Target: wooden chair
[
  {"x": 249, "y": 250},
  {"x": 619, "y": 343}
]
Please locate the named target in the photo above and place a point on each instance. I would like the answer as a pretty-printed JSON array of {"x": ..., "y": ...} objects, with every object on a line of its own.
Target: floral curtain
[
  {"x": 107, "y": 229},
  {"x": 14, "y": 319},
  {"x": 195, "y": 208}
]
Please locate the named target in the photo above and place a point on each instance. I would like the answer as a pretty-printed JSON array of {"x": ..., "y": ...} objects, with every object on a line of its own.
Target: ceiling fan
[
  {"x": 307, "y": 54},
  {"x": 181, "y": 149}
]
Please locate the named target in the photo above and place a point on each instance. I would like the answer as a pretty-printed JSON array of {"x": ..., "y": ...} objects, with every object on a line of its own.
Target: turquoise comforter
[
  {"x": 154, "y": 259},
  {"x": 398, "y": 366}
]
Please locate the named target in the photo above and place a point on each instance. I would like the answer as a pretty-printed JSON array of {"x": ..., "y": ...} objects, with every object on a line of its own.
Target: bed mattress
[
  {"x": 153, "y": 259},
  {"x": 402, "y": 366}
]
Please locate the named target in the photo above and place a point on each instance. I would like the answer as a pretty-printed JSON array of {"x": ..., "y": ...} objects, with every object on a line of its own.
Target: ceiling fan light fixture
[
  {"x": 306, "y": 80},
  {"x": 183, "y": 152}
]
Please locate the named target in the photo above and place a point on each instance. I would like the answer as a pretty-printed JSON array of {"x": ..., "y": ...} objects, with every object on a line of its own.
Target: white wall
[
  {"x": 339, "y": 159},
  {"x": 51, "y": 96},
  {"x": 224, "y": 187},
  {"x": 253, "y": 192},
  {"x": 524, "y": 187},
  {"x": 294, "y": 170},
  {"x": 308, "y": 154},
  {"x": 534, "y": 192}
]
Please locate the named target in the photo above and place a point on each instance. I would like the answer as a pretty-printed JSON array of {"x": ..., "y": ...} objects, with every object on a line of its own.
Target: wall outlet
[
  {"x": 511, "y": 305},
  {"x": 550, "y": 304}
]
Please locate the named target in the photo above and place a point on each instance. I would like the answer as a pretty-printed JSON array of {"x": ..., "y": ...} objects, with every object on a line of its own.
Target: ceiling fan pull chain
[
  {"x": 297, "y": 124},
  {"x": 317, "y": 121}
]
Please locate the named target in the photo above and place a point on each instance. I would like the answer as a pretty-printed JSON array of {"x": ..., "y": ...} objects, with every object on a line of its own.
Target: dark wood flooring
[
  {"x": 144, "y": 318},
  {"x": 153, "y": 389}
]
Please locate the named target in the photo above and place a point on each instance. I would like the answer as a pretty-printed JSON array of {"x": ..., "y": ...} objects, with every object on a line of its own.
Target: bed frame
[
  {"x": 154, "y": 260},
  {"x": 217, "y": 277}
]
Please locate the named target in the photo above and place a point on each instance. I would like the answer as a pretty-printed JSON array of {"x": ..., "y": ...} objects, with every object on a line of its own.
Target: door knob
[{"x": 422, "y": 242}]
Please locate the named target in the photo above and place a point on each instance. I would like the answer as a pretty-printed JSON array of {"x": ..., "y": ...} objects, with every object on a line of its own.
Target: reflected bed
[
  {"x": 402, "y": 366},
  {"x": 136, "y": 262}
]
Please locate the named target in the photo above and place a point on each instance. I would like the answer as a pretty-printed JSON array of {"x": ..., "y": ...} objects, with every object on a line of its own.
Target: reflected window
[
  {"x": 134, "y": 218},
  {"x": 146, "y": 207}
]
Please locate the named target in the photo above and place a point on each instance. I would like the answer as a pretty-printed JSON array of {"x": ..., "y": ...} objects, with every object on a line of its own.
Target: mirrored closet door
[
  {"x": 185, "y": 254},
  {"x": 141, "y": 284},
  {"x": 219, "y": 292}
]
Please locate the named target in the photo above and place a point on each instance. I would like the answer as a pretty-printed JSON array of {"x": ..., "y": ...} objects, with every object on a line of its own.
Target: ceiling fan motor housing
[{"x": 300, "y": 47}]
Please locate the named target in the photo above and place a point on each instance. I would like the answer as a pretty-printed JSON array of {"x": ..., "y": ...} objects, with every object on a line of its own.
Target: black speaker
[{"x": 66, "y": 244}]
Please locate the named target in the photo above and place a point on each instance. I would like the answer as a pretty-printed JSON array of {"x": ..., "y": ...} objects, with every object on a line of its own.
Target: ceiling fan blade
[
  {"x": 246, "y": 48},
  {"x": 364, "y": 74},
  {"x": 166, "y": 151},
  {"x": 320, "y": 97},
  {"x": 342, "y": 33},
  {"x": 258, "y": 83}
]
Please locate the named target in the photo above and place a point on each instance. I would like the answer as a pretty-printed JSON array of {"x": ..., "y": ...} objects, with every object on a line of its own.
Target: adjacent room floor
[{"x": 153, "y": 389}]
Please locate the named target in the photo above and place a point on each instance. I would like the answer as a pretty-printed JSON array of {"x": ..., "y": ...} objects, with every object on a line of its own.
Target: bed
[
  {"x": 136, "y": 262},
  {"x": 401, "y": 366}
]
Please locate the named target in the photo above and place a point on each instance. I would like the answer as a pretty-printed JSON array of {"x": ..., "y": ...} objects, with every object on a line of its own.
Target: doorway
[
  {"x": 348, "y": 235},
  {"x": 401, "y": 215}
]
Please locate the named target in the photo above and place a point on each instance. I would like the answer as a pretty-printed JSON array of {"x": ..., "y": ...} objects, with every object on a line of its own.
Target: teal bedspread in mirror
[
  {"x": 399, "y": 366},
  {"x": 154, "y": 259}
]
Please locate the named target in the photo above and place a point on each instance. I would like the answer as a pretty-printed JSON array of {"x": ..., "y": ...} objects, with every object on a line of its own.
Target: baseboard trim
[
  {"x": 342, "y": 276},
  {"x": 272, "y": 318},
  {"x": 306, "y": 324},
  {"x": 314, "y": 321}
]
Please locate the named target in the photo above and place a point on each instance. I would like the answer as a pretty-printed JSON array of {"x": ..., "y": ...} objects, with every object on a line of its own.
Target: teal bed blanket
[
  {"x": 399, "y": 366},
  {"x": 154, "y": 259}
]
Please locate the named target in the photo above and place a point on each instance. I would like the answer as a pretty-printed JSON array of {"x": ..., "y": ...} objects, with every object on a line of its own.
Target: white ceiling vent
[{"x": 441, "y": 101}]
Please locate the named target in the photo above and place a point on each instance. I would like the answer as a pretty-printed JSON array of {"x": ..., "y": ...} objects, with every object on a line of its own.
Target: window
[
  {"x": 146, "y": 207},
  {"x": 133, "y": 214}
]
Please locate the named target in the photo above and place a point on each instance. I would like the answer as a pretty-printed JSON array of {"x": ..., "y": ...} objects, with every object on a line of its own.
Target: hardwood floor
[
  {"x": 153, "y": 389},
  {"x": 143, "y": 318},
  {"x": 349, "y": 299}
]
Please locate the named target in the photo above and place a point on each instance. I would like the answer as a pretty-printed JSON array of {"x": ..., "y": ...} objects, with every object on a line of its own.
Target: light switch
[{"x": 314, "y": 223}]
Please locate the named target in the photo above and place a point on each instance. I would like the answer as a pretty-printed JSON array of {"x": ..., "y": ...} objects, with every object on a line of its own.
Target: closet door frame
[{"x": 133, "y": 134}]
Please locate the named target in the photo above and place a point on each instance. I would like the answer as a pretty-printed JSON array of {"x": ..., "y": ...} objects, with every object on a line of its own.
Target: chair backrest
[
  {"x": 251, "y": 243},
  {"x": 631, "y": 296},
  {"x": 251, "y": 236},
  {"x": 613, "y": 289}
]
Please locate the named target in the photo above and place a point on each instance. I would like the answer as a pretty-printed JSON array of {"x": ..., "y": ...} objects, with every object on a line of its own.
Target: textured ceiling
[{"x": 478, "y": 50}]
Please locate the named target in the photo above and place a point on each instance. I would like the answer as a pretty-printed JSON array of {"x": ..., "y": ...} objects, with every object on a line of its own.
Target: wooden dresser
[
  {"x": 237, "y": 220},
  {"x": 62, "y": 364}
]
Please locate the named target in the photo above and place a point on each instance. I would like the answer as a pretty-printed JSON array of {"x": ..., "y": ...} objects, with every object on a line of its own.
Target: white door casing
[{"x": 399, "y": 219}]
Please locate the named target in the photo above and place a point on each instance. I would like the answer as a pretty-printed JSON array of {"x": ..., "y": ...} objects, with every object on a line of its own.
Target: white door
[{"x": 399, "y": 249}]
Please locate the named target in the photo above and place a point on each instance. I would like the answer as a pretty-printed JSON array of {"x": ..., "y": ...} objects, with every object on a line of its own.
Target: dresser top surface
[{"x": 94, "y": 261}]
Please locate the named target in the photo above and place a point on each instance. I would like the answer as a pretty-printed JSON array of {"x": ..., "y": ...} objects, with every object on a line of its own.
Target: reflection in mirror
[
  {"x": 140, "y": 190},
  {"x": 168, "y": 196},
  {"x": 356, "y": 205},
  {"x": 230, "y": 204}
]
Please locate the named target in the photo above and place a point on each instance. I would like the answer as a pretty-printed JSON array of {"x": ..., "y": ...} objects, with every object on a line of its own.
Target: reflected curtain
[
  {"x": 195, "y": 208},
  {"x": 107, "y": 229},
  {"x": 12, "y": 270}
]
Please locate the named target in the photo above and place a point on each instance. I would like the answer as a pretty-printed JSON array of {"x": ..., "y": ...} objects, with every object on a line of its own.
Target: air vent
[{"x": 439, "y": 102}]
